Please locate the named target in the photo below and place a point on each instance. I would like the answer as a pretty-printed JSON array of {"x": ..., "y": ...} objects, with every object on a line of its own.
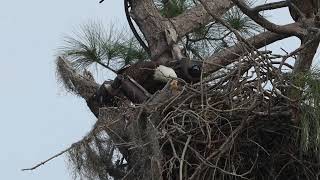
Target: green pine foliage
[
  {"x": 213, "y": 37},
  {"x": 239, "y": 21},
  {"x": 310, "y": 113},
  {"x": 93, "y": 44},
  {"x": 173, "y": 8}
]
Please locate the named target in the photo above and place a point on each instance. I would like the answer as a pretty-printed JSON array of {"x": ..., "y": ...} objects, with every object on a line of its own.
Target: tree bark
[{"x": 153, "y": 26}]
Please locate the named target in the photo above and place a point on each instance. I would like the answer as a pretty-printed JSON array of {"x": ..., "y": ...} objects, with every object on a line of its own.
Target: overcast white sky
[{"x": 37, "y": 118}]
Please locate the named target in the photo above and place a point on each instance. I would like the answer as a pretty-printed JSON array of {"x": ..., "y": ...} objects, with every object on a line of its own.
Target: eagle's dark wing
[
  {"x": 139, "y": 71},
  {"x": 143, "y": 73}
]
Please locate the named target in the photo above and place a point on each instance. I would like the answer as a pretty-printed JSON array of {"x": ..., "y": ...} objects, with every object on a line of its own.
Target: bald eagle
[{"x": 151, "y": 75}]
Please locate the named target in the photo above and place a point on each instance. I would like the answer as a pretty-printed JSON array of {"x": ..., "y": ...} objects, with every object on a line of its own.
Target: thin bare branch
[
  {"x": 270, "y": 6},
  {"x": 231, "y": 54},
  {"x": 254, "y": 15},
  {"x": 49, "y": 159}
]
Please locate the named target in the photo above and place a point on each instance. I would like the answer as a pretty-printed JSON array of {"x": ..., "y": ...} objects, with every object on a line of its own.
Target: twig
[
  {"x": 182, "y": 156},
  {"x": 109, "y": 68},
  {"x": 42, "y": 163}
]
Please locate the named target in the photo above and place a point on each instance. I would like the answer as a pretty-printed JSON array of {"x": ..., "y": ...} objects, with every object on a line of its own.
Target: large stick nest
[{"x": 235, "y": 124}]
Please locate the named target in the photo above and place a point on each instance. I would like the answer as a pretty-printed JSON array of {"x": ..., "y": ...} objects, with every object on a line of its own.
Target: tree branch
[
  {"x": 307, "y": 51},
  {"x": 221, "y": 21},
  {"x": 198, "y": 16},
  {"x": 231, "y": 54},
  {"x": 270, "y": 6},
  {"x": 49, "y": 159},
  {"x": 152, "y": 26},
  {"x": 254, "y": 15}
]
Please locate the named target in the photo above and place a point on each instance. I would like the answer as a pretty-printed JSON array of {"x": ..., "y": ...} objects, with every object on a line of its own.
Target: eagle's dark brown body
[{"x": 143, "y": 73}]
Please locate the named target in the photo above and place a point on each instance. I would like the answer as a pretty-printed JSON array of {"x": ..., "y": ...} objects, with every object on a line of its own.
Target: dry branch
[
  {"x": 231, "y": 54},
  {"x": 254, "y": 15},
  {"x": 49, "y": 159}
]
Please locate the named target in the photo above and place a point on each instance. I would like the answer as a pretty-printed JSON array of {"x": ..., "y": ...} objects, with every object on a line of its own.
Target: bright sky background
[{"x": 38, "y": 119}]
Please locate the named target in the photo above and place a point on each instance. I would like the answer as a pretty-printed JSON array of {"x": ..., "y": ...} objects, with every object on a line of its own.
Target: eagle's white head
[{"x": 164, "y": 73}]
